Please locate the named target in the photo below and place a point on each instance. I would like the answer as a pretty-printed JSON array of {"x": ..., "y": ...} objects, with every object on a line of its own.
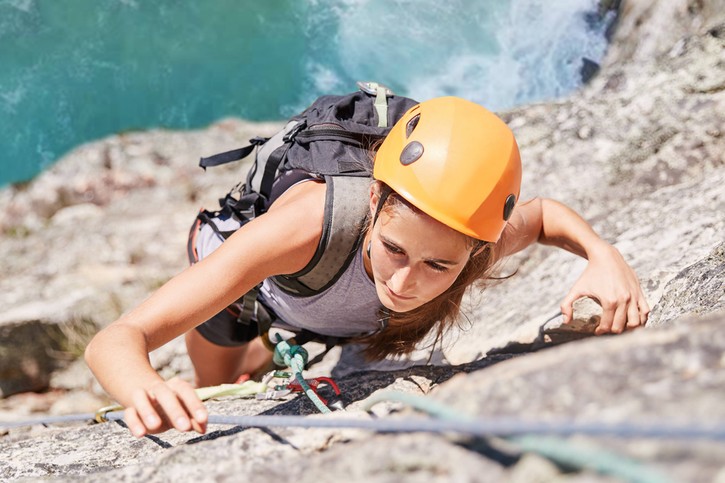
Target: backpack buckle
[
  {"x": 371, "y": 88},
  {"x": 294, "y": 131},
  {"x": 381, "y": 94}
]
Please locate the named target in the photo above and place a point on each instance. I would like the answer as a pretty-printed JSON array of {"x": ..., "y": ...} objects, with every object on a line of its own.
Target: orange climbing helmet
[{"x": 455, "y": 161}]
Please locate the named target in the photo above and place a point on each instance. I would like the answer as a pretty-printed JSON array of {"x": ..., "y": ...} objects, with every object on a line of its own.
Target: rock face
[
  {"x": 104, "y": 227},
  {"x": 664, "y": 377},
  {"x": 639, "y": 152},
  {"x": 37, "y": 350}
]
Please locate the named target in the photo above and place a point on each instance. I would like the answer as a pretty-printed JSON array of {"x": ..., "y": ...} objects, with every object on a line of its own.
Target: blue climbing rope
[
  {"x": 526, "y": 435},
  {"x": 473, "y": 426}
]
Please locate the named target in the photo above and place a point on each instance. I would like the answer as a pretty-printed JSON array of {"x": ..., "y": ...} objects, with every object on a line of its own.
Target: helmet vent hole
[
  {"x": 410, "y": 127},
  {"x": 508, "y": 207}
]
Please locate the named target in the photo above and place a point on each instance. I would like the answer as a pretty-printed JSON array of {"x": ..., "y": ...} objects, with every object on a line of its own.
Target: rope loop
[
  {"x": 295, "y": 357},
  {"x": 286, "y": 354}
]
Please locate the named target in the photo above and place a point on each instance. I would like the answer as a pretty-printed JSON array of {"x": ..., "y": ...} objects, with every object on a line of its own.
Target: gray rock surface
[
  {"x": 104, "y": 227},
  {"x": 663, "y": 376},
  {"x": 639, "y": 152}
]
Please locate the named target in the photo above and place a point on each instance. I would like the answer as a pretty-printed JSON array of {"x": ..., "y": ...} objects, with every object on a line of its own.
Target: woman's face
[{"x": 413, "y": 258}]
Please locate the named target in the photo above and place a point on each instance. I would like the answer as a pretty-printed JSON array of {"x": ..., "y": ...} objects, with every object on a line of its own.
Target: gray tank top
[{"x": 347, "y": 309}]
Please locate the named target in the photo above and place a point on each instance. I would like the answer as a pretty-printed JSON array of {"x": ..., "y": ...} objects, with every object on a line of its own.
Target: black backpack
[{"x": 333, "y": 140}]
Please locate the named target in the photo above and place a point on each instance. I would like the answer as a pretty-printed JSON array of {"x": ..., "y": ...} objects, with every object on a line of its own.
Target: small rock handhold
[{"x": 588, "y": 69}]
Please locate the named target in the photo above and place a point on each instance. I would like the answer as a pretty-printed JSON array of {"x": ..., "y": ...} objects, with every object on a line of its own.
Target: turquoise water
[{"x": 77, "y": 70}]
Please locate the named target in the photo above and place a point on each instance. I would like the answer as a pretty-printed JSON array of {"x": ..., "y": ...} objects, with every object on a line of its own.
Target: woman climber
[{"x": 442, "y": 210}]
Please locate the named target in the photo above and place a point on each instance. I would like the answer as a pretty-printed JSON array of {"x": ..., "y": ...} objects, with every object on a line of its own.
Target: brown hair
[{"x": 406, "y": 329}]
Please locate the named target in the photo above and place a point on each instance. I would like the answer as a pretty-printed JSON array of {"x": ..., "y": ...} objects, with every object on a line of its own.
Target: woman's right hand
[{"x": 165, "y": 405}]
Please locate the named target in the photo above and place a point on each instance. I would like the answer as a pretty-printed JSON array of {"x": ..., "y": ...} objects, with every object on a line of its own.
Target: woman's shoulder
[
  {"x": 306, "y": 200},
  {"x": 292, "y": 227}
]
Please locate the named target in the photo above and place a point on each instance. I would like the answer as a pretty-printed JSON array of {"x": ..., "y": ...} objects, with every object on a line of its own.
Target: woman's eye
[
  {"x": 437, "y": 268},
  {"x": 392, "y": 249}
]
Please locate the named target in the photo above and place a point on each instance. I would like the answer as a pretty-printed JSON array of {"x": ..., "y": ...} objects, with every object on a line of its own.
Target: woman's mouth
[{"x": 394, "y": 295}]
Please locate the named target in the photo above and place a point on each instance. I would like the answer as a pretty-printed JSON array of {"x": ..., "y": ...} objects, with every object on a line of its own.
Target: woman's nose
[{"x": 402, "y": 280}]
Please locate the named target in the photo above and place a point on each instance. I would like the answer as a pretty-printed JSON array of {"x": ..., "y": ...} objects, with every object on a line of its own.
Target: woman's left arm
[{"x": 608, "y": 278}]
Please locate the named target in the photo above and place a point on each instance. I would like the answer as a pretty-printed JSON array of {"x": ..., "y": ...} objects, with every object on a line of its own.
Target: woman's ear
[
  {"x": 479, "y": 248},
  {"x": 374, "y": 198},
  {"x": 379, "y": 193}
]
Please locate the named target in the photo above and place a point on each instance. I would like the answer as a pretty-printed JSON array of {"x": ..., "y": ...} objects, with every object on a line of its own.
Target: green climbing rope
[
  {"x": 245, "y": 389},
  {"x": 295, "y": 357},
  {"x": 557, "y": 450}
]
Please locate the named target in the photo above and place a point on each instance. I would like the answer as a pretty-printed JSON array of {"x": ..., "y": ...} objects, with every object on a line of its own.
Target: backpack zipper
[{"x": 332, "y": 129}]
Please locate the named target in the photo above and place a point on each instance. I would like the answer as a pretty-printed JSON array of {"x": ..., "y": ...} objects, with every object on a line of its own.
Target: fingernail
[
  {"x": 152, "y": 420},
  {"x": 201, "y": 415},
  {"x": 182, "y": 423},
  {"x": 137, "y": 431}
]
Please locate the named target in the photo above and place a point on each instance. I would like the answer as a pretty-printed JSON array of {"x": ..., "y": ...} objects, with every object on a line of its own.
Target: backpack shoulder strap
[{"x": 346, "y": 210}]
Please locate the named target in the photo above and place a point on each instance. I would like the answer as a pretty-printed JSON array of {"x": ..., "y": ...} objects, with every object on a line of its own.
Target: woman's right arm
[{"x": 281, "y": 241}]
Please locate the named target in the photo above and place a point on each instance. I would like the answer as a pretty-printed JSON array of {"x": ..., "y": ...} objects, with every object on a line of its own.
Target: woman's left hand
[{"x": 610, "y": 281}]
